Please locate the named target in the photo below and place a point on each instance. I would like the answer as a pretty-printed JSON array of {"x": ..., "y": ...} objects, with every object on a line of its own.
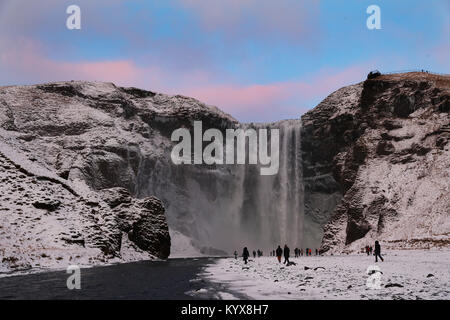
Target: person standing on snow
[
  {"x": 254, "y": 254},
  {"x": 235, "y": 254},
  {"x": 245, "y": 254},
  {"x": 279, "y": 252},
  {"x": 286, "y": 254},
  {"x": 378, "y": 251}
]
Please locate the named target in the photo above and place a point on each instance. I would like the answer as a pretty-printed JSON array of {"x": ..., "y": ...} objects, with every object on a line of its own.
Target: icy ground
[{"x": 341, "y": 277}]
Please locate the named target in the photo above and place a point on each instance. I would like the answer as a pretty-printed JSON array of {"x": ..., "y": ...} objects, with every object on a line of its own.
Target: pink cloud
[
  {"x": 269, "y": 101},
  {"x": 253, "y": 102},
  {"x": 25, "y": 61}
]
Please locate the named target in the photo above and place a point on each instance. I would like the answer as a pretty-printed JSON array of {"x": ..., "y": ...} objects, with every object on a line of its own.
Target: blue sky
[{"x": 259, "y": 60}]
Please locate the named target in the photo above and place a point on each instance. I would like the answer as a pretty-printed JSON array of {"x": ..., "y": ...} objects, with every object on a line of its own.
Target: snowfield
[{"x": 406, "y": 274}]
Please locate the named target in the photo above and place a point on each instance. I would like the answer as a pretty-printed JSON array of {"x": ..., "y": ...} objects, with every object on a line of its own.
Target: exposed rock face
[
  {"x": 56, "y": 185},
  {"x": 143, "y": 220},
  {"x": 84, "y": 161},
  {"x": 105, "y": 136},
  {"x": 381, "y": 148},
  {"x": 107, "y": 143},
  {"x": 49, "y": 222}
]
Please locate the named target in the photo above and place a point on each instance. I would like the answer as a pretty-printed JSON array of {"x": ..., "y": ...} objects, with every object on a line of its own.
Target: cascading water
[
  {"x": 230, "y": 206},
  {"x": 272, "y": 207}
]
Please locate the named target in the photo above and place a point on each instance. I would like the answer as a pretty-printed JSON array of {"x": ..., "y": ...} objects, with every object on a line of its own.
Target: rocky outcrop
[
  {"x": 47, "y": 222},
  {"x": 111, "y": 144},
  {"x": 382, "y": 145},
  {"x": 143, "y": 220}
]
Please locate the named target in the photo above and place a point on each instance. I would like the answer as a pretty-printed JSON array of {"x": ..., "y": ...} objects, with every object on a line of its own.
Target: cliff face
[
  {"x": 49, "y": 222},
  {"x": 82, "y": 163},
  {"x": 99, "y": 137},
  {"x": 72, "y": 156},
  {"x": 376, "y": 156}
]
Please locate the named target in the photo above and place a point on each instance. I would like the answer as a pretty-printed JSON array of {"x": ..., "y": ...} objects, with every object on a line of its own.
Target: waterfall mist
[{"x": 227, "y": 207}]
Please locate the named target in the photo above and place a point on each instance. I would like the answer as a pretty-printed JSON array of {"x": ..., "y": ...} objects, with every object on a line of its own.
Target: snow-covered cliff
[
  {"x": 99, "y": 137},
  {"x": 85, "y": 163},
  {"x": 376, "y": 163}
]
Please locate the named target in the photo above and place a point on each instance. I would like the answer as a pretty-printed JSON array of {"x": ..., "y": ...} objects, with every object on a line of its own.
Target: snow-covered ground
[{"x": 421, "y": 275}]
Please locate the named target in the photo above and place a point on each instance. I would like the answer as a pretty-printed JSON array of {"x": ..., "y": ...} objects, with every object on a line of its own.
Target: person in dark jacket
[
  {"x": 286, "y": 252},
  {"x": 245, "y": 254},
  {"x": 254, "y": 254},
  {"x": 279, "y": 252},
  {"x": 378, "y": 251}
]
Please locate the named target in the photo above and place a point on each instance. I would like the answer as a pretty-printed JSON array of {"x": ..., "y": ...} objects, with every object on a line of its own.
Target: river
[{"x": 170, "y": 279}]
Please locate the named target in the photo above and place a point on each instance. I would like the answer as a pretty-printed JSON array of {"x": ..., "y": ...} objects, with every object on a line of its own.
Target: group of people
[
  {"x": 279, "y": 252},
  {"x": 377, "y": 252},
  {"x": 258, "y": 252},
  {"x": 308, "y": 252},
  {"x": 298, "y": 252},
  {"x": 246, "y": 254},
  {"x": 285, "y": 252}
]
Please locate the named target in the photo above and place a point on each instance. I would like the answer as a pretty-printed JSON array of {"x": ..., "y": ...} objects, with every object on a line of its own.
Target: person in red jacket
[{"x": 279, "y": 252}]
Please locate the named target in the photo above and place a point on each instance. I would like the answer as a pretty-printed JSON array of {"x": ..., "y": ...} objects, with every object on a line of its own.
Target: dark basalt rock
[
  {"x": 404, "y": 105},
  {"x": 139, "y": 93},
  {"x": 391, "y": 124},
  {"x": 419, "y": 149},
  {"x": 385, "y": 148},
  {"x": 50, "y": 205},
  {"x": 116, "y": 196},
  {"x": 150, "y": 232},
  {"x": 390, "y": 285}
]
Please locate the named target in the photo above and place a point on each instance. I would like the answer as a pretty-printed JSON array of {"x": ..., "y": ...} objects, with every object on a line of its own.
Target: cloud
[
  {"x": 276, "y": 101},
  {"x": 24, "y": 60},
  {"x": 246, "y": 102},
  {"x": 261, "y": 20},
  {"x": 35, "y": 47}
]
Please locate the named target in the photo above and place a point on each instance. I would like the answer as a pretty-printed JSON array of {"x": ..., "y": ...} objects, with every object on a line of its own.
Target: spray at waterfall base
[{"x": 261, "y": 206}]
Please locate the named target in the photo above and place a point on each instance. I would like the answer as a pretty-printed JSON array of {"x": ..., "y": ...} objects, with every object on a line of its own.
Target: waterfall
[
  {"x": 230, "y": 206},
  {"x": 272, "y": 208}
]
